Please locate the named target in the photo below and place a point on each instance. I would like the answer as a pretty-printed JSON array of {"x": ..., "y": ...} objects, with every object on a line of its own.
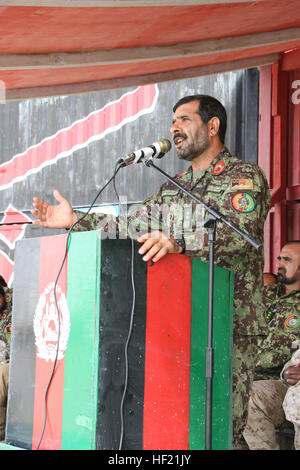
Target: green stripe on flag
[
  {"x": 222, "y": 344},
  {"x": 82, "y": 353}
]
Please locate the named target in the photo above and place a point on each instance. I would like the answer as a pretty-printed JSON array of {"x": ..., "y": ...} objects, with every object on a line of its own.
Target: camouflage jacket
[
  {"x": 291, "y": 402},
  {"x": 239, "y": 191},
  {"x": 5, "y": 327},
  {"x": 283, "y": 316}
]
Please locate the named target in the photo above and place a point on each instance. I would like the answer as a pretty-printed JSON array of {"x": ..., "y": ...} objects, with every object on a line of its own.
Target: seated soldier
[
  {"x": 5, "y": 331},
  {"x": 283, "y": 317},
  {"x": 291, "y": 403}
]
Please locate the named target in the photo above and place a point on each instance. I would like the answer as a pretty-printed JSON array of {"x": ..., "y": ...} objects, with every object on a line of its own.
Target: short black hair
[{"x": 209, "y": 107}]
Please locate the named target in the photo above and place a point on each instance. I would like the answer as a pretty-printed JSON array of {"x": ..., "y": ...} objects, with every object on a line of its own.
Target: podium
[{"x": 160, "y": 342}]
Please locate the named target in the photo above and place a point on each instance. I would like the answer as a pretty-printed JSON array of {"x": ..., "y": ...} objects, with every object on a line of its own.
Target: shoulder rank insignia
[
  {"x": 243, "y": 202},
  {"x": 292, "y": 321},
  {"x": 219, "y": 168},
  {"x": 270, "y": 313},
  {"x": 241, "y": 184}
]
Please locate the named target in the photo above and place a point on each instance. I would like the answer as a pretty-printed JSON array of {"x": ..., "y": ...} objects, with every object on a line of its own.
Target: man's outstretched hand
[{"x": 59, "y": 216}]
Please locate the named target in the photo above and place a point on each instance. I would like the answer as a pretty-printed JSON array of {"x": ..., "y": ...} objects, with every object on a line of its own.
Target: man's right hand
[{"x": 59, "y": 216}]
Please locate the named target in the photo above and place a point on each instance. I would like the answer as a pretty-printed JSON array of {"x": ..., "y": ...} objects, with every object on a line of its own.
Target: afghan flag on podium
[{"x": 115, "y": 322}]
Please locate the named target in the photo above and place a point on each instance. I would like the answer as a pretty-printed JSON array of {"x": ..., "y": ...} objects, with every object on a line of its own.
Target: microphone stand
[{"x": 210, "y": 224}]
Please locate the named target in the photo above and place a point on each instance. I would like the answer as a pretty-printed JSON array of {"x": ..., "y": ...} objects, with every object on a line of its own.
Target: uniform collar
[
  {"x": 294, "y": 294},
  {"x": 280, "y": 291},
  {"x": 223, "y": 158}
]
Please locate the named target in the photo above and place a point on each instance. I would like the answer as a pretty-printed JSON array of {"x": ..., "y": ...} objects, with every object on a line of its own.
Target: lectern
[{"x": 130, "y": 360}]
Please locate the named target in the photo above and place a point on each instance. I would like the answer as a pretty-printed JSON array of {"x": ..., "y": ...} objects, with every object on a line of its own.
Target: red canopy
[{"x": 71, "y": 46}]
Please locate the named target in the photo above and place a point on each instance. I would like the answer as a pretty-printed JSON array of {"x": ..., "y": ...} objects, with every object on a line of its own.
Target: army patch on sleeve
[
  {"x": 292, "y": 322},
  {"x": 219, "y": 168},
  {"x": 241, "y": 184},
  {"x": 243, "y": 202}
]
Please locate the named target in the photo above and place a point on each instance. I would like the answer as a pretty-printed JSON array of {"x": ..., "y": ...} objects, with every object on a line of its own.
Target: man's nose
[
  {"x": 175, "y": 128},
  {"x": 279, "y": 263}
]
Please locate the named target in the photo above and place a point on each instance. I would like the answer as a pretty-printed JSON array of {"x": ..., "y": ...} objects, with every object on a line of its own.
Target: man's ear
[{"x": 213, "y": 126}]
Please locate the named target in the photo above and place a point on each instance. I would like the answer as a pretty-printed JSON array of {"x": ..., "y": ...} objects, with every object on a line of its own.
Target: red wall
[{"x": 279, "y": 152}]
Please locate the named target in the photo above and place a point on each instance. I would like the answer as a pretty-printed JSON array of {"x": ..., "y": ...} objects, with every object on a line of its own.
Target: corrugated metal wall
[{"x": 73, "y": 142}]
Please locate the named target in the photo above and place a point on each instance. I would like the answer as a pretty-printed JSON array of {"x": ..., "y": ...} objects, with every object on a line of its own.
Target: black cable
[
  {"x": 117, "y": 168},
  {"x": 129, "y": 331},
  {"x": 126, "y": 346}
]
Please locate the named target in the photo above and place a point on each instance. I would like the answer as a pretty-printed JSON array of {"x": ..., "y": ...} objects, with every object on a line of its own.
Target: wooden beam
[
  {"x": 143, "y": 54},
  {"x": 116, "y": 83},
  {"x": 291, "y": 60},
  {"x": 293, "y": 193},
  {"x": 116, "y": 3}
]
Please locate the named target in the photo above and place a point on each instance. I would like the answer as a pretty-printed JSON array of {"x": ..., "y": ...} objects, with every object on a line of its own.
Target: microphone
[{"x": 156, "y": 150}]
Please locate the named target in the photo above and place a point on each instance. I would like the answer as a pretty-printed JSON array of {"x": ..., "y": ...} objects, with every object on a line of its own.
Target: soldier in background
[
  {"x": 5, "y": 333},
  {"x": 283, "y": 317},
  {"x": 236, "y": 189},
  {"x": 275, "y": 404},
  {"x": 291, "y": 403}
]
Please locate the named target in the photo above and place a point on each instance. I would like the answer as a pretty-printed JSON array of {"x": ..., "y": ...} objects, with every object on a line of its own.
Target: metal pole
[{"x": 209, "y": 355}]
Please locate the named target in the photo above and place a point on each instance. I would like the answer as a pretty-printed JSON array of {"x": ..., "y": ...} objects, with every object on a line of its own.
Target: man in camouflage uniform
[
  {"x": 236, "y": 189},
  {"x": 5, "y": 332},
  {"x": 275, "y": 404},
  {"x": 283, "y": 317},
  {"x": 291, "y": 403}
]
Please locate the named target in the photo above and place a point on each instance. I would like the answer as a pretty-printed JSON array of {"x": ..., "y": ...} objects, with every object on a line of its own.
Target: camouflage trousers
[
  {"x": 245, "y": 352},
  {"x": 266, "y": 414},
  {"x": 4, "y": 370},
  {"x": 291, "y": 406}
]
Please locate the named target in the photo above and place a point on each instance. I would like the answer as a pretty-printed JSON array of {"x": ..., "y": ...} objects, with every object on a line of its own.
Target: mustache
[
  {"x": 281, "y": 271},
  {"x": 179, "y": 134}
]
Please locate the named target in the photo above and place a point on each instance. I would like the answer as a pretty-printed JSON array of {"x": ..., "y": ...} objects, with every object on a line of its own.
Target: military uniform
[
  {"x": 5, "y": 327},
  {"x": 273, "y": 405},
  {"x": 239, "y": 191},
  {"x": 5, "y": 334},
  {"x": 291, "y": 402},
  {"x": 266, "y": 412},
  {"x": 283, "y": 317}
]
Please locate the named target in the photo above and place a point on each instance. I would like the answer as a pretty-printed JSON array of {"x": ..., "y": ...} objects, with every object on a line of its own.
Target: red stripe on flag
[
  {"x": 167, "y": 362},
  {"x": 93, "y": 127},
  {"x": 6, "y": 268},
  {"x": 52, "y": 251}
]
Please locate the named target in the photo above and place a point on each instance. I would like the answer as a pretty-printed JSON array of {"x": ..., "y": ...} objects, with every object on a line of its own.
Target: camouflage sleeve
[
  {"x": 5, "y": 327},
  {"x": 141, "y": 218},
  {"x": 147, "y": 217}
]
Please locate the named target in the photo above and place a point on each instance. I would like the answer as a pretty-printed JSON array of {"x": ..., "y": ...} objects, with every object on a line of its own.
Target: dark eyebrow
[
  {"x": 286, "y": 258},
  {"x": 181, "y": 116}
]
